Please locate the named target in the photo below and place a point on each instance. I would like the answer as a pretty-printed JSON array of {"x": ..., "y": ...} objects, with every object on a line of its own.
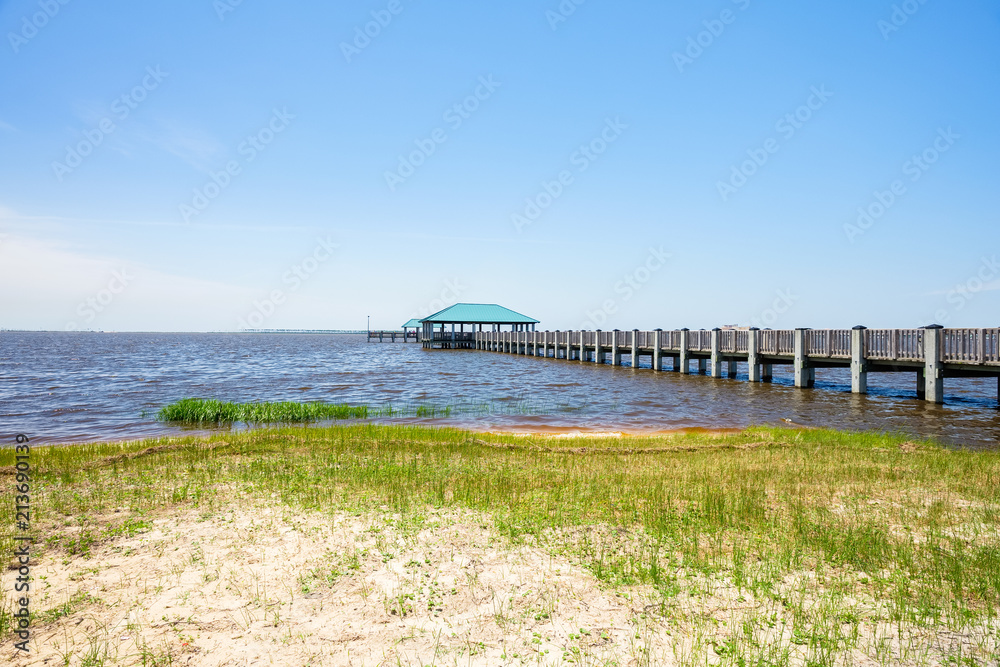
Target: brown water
[{"x": 71, "y": 387}]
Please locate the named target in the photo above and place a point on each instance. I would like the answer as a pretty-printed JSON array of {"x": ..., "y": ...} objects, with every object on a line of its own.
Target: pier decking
[
  {"x": 391, "y": 336},
  {"x": 931, "y": 353}
]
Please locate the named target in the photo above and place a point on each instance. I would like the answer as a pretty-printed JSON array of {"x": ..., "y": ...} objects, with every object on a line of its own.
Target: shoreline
[{"x": 411, "y": 544}]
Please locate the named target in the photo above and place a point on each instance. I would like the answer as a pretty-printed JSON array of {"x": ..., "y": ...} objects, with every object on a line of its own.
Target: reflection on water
[{"x": 59, "y": 387}]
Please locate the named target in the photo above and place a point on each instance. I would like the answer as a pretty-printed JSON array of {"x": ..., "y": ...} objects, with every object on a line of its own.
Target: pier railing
[
  {"x": 978, "y": 346},
  {"x": 776, "y": 342},
  {"x": 932, "y": 353},
  {"x": 967, "y": 346},
  {"x": 895, "y": 344}
]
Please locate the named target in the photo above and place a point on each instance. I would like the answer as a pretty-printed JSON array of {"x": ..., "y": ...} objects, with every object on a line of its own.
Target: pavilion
[
  {"x": 411, "y": 324},
  {"x": 438, "y": 330}
]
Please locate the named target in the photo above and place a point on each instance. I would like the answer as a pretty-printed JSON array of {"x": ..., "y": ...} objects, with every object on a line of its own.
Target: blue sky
[{"x": 203, "y": 165}]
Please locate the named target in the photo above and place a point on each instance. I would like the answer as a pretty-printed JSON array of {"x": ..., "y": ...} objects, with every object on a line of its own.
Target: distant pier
[
  {"x": 931, "y": 353},
  {"x": 383, "y": 336}
]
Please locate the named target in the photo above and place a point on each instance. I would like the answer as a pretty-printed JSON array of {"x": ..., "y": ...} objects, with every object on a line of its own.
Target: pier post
[
  {"x": 716, "y": 354},
  {"x": 616, "y": 355},
  {"x": 733, "y": 368},
  {"x": 635, "y": 348},
  {"x": 859, "y": 367},
  {"x": 657, "y": 350},
  {"x": 702, "y": 366},
  {"x": 683, "y": 353},
  {"x": 933, "y": 368},
  {"x": 921, "y": 385},
  {"x": 767, "y": 372},
  {"x": 583, "y": 349},
  {"x": 597, "y": 346},
  {"x": 753, "y": 364},
  {"x": 804, "y": 375}
]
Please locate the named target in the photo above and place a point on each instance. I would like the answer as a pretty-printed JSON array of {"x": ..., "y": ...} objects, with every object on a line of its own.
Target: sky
[{"x": 207, "y": 165}]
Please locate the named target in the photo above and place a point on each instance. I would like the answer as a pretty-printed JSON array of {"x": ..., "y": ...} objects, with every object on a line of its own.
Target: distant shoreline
[{"x": 241, "y": 331}]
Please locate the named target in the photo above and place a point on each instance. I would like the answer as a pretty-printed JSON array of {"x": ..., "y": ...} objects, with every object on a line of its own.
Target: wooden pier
[
  {"x": 931, "y": 353},
  {"x": 382, "y": 336}
]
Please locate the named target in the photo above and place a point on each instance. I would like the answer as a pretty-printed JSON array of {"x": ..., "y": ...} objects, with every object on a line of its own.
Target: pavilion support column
[
  {"x": 716, "y": 354},
  {"x": 933, "y": 368},
  {"x": 657, "y": 350},
  {"x": 859, "y": 366},
  {"x": 635, "y": 348},
  {"x": 616, "y": 355},
  {"x": 683, "y": 353},
  {"x": 753, "y": 363},
  {"x": 805, "y": 376}
]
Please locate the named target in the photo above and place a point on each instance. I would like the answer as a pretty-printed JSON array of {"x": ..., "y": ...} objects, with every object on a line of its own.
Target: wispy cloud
[
  {"x": 7, "y": 127},
  {"x": 72, "y": 282},
  {"x": 8, "y": 215},
  {"x": 191, "y": 144}
]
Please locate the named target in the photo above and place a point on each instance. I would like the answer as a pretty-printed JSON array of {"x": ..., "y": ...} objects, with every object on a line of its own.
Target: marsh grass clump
[
  {"x": 210, "y": 411},
  {"x": 819, "y": 543}
]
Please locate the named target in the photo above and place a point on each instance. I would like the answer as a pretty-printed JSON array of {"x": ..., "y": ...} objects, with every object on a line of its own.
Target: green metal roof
[
  {"x": 479, "y": 313},
  {"x": 414, "y": 323}
]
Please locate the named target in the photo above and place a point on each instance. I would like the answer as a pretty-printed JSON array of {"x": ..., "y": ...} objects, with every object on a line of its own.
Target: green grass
[
  {"x": 212, "y": 411},
  {"x": 203, "y": 411},
  {"x": 913, "y": 526}
]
